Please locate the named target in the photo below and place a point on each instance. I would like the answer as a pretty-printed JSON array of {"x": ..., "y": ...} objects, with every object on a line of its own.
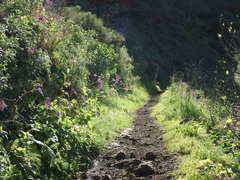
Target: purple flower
[
  {"x": 107, "y": 77},
  {"x": 117, "y": 79},
  {"x": 33, "y": 50},
  {"x": 47, "y": 102},
  {"x": 228, "y": 178},
  {"x": 73, "y": 91},
  {"x": 58, "y": 113},
  {"x": 42, "y": 19},
  {"x": 111, "y": 92},
  {"x": 100, "y": 83},
  {"x": 49, "y": 2},
  {"x": 46, "y": 34},
  {"x": 3, "y": 105},
  {"x": 126, "y": 89},
  {"x": 39, "y": 89}
]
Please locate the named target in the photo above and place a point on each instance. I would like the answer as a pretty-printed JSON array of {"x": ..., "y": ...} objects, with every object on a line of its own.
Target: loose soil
[{"x": 137, "y": 154}]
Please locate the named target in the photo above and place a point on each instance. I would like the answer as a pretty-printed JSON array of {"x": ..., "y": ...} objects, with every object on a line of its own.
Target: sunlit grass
[
  {"x": 117, "y": 114},
  {"x": 182, "y": 113}
]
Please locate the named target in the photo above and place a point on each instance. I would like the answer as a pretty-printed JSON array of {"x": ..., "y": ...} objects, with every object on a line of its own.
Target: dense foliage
[
  {"x": 191, "y": 132},
  {"x": 53, "y": 70},
  {"x": 200, "y": 110},
  {"x": 58, "y": 64}
]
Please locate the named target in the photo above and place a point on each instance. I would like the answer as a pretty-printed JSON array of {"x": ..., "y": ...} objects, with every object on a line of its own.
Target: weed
[{"x": 199, "y": 156}]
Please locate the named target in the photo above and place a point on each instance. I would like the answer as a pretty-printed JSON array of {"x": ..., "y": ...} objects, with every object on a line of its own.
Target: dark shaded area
[{"x": 168, "y": 37}]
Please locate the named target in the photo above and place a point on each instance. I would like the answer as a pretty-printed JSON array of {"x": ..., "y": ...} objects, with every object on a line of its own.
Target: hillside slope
[{"x": 60, "y": 77}]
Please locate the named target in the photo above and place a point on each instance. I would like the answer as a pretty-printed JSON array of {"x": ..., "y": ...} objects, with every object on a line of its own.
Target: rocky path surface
[{"x": 137, "y": 154}]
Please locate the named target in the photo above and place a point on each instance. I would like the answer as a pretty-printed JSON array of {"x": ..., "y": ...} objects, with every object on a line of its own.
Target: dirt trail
[{"x": 137, "y": 154}]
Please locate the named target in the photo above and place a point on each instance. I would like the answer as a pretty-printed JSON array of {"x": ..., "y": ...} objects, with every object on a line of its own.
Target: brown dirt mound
[{"x": 137, "y": 154}]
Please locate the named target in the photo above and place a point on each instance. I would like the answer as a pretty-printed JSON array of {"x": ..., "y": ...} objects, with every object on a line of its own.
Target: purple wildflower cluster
[
  {"x": 3, "y": 105},
  {"x": 49, "y": 2},
  {"x": 39, "y": 89},
  {"x": 64, "y": 33},
  {"x": 117, "y": 79},
  {"x": 47, "y": 100},
  {"x": 42, "y": 19},
  {"x": 46, "y": 34},
  {"x": 73, "y": 92},
  {"x": 111, "y": 92},
  {"x": 126, "y": 88},
  {"x": 100, "y": 83},
  {"x": 33, "y": 50}
]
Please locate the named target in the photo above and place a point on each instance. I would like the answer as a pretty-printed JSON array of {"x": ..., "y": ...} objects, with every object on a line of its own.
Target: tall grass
[
  {"x": 117, "y": 114},
  {"x": 185, "y": 116}
]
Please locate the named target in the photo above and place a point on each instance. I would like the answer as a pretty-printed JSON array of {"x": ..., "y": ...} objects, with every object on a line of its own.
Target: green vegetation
[
  {"x": 117, "y": 114},
  {"x": 199, "y": 131},
  {"x": 64, "y": 80},
  {"x": 68, "y": 86}
]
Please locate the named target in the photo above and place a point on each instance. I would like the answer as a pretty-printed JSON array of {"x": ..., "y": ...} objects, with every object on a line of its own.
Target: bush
[
  {"x": 201, "y": 131},
  {"x": 53, "y": 145},
  {"x": 53, "y": 72},
  {"x": 89, "y": 21}
]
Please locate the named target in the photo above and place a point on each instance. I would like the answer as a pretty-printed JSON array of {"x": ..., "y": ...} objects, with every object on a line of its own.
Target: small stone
[
  {"x": 84, "y": 176},
  {"x": 126, "y": 133},
  {"x": 120, "y": 155},
  {"x": 109, "y": 164},
  {"x": 122, "y": 164},
  {"x": 147, "y": 144},
  {"x": 114, "y": 145},
  {"x": 150, "y": 156},
  {"x": 144, "y": 169},
  {"x": 107, "y": 177},
  {"x": 166, "y": 157},
  {"x": 132, "y": 155},
  {"x": 138, "y": 178},
  {"x": 135, "y": 162},
  {"x": 96, "y": 177}
]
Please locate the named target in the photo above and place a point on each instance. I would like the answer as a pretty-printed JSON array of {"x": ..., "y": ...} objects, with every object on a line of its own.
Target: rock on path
[{"x": 137, "y": 154}]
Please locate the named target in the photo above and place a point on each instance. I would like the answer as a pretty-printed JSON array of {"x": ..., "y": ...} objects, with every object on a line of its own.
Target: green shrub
[
  {"x": 198, "y": 130},
  {"x": 54, "y": 145},
  {"x": 89, "y": 21},
  {"x": 53, "y": 73},
  {"x": 184, "y": 102},
  {"x": 189, "y": 129}
]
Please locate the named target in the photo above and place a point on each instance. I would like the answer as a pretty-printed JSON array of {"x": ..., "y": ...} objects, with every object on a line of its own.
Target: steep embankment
[
  {"x": 138, "y": 153},
  {"x": 62, "y": 80}
]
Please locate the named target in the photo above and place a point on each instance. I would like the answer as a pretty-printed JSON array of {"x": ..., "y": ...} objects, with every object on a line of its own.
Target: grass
[
  {"x": 183, "y": 114},
  {"x": 117, "y": 114}
]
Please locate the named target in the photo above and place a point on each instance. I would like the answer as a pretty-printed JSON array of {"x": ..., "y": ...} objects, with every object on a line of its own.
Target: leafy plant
[{"x": 54, "y": 73}]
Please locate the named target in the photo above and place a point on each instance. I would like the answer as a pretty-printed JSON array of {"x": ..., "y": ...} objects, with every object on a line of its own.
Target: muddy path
[{"x": 137, "y": 154}]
